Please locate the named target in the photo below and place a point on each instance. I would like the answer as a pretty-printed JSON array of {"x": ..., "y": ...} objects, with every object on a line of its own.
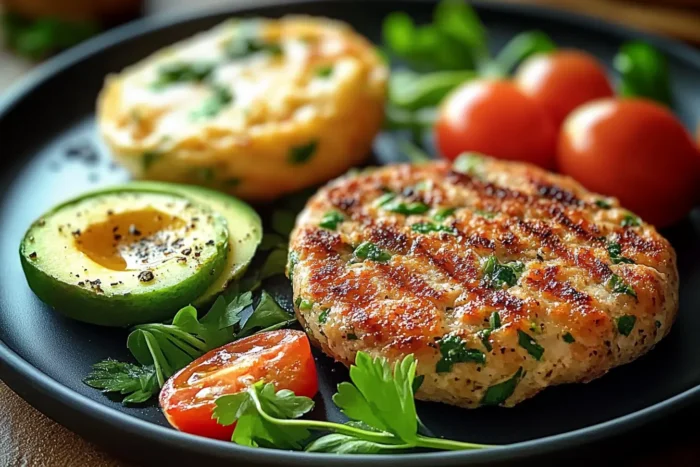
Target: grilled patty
[{"x": 500, "y": 277}]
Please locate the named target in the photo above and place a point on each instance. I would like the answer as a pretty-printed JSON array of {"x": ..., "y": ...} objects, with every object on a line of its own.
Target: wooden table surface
[{"x": 28, "y": 438}]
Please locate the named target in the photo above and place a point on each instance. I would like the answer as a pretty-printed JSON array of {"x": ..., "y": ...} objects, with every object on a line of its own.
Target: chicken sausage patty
[{"x": 500, "y": 277}]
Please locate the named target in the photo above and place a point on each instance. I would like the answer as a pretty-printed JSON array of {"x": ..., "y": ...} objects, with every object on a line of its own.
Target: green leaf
[
  {"x": 643, "y": 72},
  {"x": 344, "y": 444},
  {"x": 458, "y": 20},
  {"x": 484, "y": 335},
  {"x": 292, "y": 261},
  {"x": 267, "y": 313},
  {"x": 495, "y": 320},
  {"x": 248, "y": 42},
  {"x": 275, "y": 264},
  {"x": 301, "y": 154},
  {"x": 499, "y": 393},
  {"x": 220, "y": 98},
  {"x": 528, "y": 343},
  {"x": 498, "y": 275},
  {"x": 568, "y": 338},
  {"x": 630, "y": 220},
  {"x": 379, "y": 398},
  {"x": 413, "y": 91},
  {"x": 615, "y": 252},
  {"x": 427, "y": 227},
  {"x": 454, "y": 350},
  {"x": 323, "y": 317},
  {"x": 283, "y": 221},
  {"x": 183, "y": 72},
  {"x": 136, "y": 343},
  {"x": 230, "y": 407},
  {"x": 407, "y": 209},
  {"x": 324, "y": 71},
  {"x": 284, "y": 403},
  {"x": 522, "y": 46},
  {"x": 234, "y": 310},
  {"x": 138, "y": 383},
  {"x": 331, "y": 219},
  {"x": 603, "y": 204},
  {"x": 468, "y": 163},
  {"x": 617, "y": 285},
  {"x": 625, "y": 324},
  {"x": 370, "y": 251},
  {"x": 443, "y": 214}
]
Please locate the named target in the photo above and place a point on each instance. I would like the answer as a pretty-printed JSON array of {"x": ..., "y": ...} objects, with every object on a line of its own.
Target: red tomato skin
[
  {"x": 635, "y": 150},
  {"x": 495, "y": 118},
  {"x": 281, "y": 357},
  {"x": 562, "y": 81}
]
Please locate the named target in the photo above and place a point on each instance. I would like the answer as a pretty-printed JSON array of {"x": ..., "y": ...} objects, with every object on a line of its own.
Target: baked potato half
[{"x": 256, "y": 108}]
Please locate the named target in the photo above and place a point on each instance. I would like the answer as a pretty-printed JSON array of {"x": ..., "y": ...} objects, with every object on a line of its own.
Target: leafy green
[
  {"x": 427, "y": 227},
  {"x": 220, "y": 98},
  {"x": 301, "y": 154},
  {"x": 413, "y": 91},
  {"x": 324, "y": 71},
  {"x": 138, "y": 383},
  {"x": 615, "y": 252},
  {"x": 274, "y": 264},
  {"x": 468, "y": 163},
  {"x": 370, "y": 251},
  {"x": 625, "y": 324},
  {"x": 484, "y": 334},
  {"x": 443, "y": 214},
  {"x": 183, "y": 72},
  {"x": 498, "y": 275},
  {"x": 568, "y": 338},
  {"x": 630, "y": 220},
  {"x": 406, "y": 208},
  {"x": 499, "y": 393},
  {"x": 617, "y": 285},
  {"x": 331, "y": 219},
  {"x": 454, "y": 350},
  {"x": 267, "y": 313},
  {"x": 292, "y": 261},
  {"x": 272, "y": 241},
  {"x": 528, "y": 343},
  {"x": 379, "y": 400},
  {"x": 247, "y": 43},
  {"x": 603, "y": 203},
  {"x": 323, "y": 317},
  {"x": 643, "y": 72},
  {"x": 522, "y": 46},
  {"x": 495, "y": 320}
]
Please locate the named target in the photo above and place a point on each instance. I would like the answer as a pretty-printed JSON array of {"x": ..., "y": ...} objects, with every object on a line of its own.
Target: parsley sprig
[{"x": 379, "y": 400}]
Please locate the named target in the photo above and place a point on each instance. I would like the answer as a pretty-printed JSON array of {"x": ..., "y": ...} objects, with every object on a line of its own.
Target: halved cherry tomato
[
  {"x": 562, "y": 81},
  {"x": 635, "y": 150},
  {"x": 495, "y": 118},
  {"x": 280, "y": 357}
]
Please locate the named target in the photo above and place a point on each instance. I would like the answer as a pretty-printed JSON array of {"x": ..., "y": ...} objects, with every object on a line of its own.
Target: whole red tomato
[
  {"x": 635, "y": 150},
  {"x": 563, "y": 80},
  {"x": 497, "y": 119},
  {"x": 280, "y": 357}
]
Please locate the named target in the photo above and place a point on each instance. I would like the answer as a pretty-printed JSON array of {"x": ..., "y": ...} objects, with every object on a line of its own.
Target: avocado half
[
  {"x": 244, "y": 230},
  {"x": 125, "y": 255}
]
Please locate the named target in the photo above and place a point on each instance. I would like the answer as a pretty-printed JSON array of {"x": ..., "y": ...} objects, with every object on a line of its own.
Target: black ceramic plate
[{"x": 46, "y": 121}]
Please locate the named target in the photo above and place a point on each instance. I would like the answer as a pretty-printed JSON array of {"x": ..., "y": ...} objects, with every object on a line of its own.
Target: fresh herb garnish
[
  {"x": 617, "y": 285},
  {"x": 630, "y": 220},
  {"x": 495, "y": 320},
  {"x": 603, "y": 204},
  {"x": 324, "y": 71},
  {"x": 407, "y": 209},
  {"x": 625, "y": 324},
  {"x": 443, "y": 214},
  {"x": 469, "y": 163},
  {"x": 137, "y": 383},
  {"x": 301, "y": 154},
  {"x": 221, "y": 97},
  {"x": 499, "y": 393},
  {"x": 246, "y": 44},
  {"x": 182, "y": 72},
  {"x": 323, "y": 317},
  {"x": 351, "y": 336},
  {"x": 498, "y": 275},
  {"x": 305, "y": 304},
  {"x": 643, "y": 72},
  {"x": 331, "y": 219},
  {"x": 454, "y": 350},
  {"x": 292, "y": 261},
  {"x": 379, "y": 400},
  {"x": 528, "y": 343},
  {"x": 368, "y": 250},
  {"x": 615, "y": 252},
  {"x": 568, "y": 338},
  {"x": 427, "y": 227}
]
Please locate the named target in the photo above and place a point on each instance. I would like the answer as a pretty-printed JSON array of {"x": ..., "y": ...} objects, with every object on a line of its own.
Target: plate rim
[{"x": 32, "y": 384}]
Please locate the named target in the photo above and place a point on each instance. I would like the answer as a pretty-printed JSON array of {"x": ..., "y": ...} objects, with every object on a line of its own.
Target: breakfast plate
[{"x": 52, "y": 152}]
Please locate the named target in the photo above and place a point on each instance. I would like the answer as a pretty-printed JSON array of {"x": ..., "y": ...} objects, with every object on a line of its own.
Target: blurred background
[{"x": 32, "y": 30}]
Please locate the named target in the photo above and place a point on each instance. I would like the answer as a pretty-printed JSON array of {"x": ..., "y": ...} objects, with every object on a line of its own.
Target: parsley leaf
[
  {"x": 568, "y": 338},
  {"x": 454, "y": 350},
  {"x": 275, "y": 264},
  {"x": 630, "y": 220},
  {"x": 603, "y": 203},
  {"x": 301, "y": 154},
  {"x": 138, "y": 383},
  {"x": 345, "y": 444},
  {"x": 221, "y": 97},
  {"x": 443, "y": 214},
  {"x": 331, "y": 219},
  {"x": 182, "y": 72},
  {"x": 499, "y": 393},
  {"x": 245, "y": 45},
  {"x": 427, "y": 227},
  {"x": 625, "y": 324},
  {"x": 528, "y": 343},
  {"x": 407, "y": 209},
  {"x": 615, "y": 252},
  {"x": 499, "y": 275},
  {"x": 617, "y": 285},
  {"x": 267, "y": 314},
  {"x": 368, "y": 250}
]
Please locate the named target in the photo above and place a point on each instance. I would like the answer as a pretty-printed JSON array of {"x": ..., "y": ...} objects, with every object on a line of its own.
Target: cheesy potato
[{"x": 256, "y": 108}]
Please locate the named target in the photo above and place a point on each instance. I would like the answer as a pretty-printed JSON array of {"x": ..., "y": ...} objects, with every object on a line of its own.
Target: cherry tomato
[
  {"x": 280, "y": 357},
  {"x": 562, "y": 81},
  {"x": 635, "y": 150},
  {"x": 495, "y": 118}
]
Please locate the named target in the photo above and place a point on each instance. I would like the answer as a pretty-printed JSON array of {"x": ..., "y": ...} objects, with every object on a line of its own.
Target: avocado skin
[
  {"x": 122, "y": 310},
  {"x": 233, "y": 210}
]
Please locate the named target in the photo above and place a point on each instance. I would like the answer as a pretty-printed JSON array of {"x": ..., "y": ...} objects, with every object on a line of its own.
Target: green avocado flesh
[
  {"x": 244, "y": 230},
  {"x": 125, "y": 256}
]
